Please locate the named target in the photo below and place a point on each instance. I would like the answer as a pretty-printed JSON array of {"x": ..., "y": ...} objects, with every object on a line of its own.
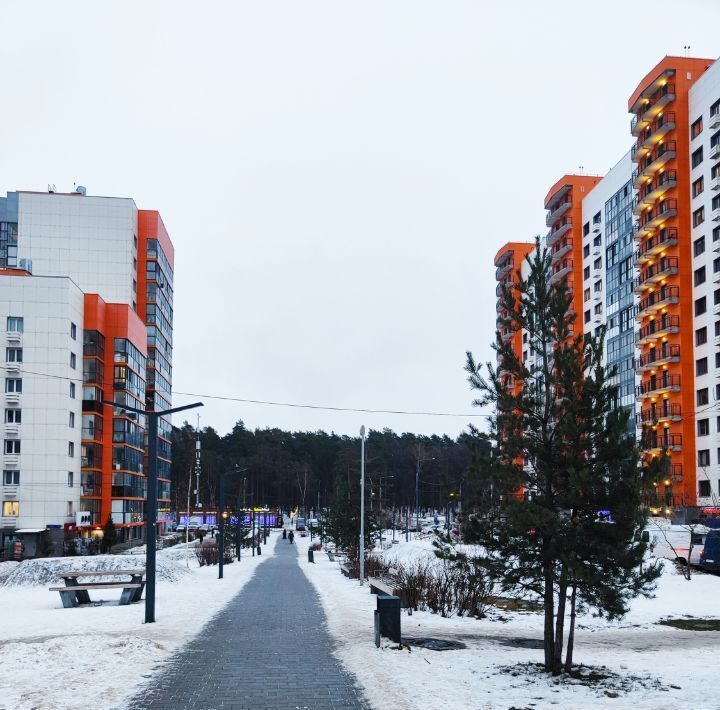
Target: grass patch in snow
[{"x": 692, "y": 624}]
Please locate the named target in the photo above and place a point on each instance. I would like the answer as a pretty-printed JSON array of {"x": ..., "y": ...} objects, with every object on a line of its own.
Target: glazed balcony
[
  {"x": 653, "y": 161},
  {"x": 560, "y": 270},
  {"x": 559, "y": 231},
  {"x": 660, "y": 414},
  {"x": 561, "y": 248},
  {"x": 664, "y": 296},
  {"x": 656, "y": 357},
  {"x": 658, "y": 385},
  {"x": 651, "y": 275},
  {"x": 663, "y": 124},
  {"x": 506, "y": 266},
  {"x": 658, "y": 328},
  {"x": 657, "y": 443},
  {"x": 650, "y": 192},
  {"x": 558, "y": 211},
  {"x": 664, "y": 239},
  {"x": 652, "y": 219}
]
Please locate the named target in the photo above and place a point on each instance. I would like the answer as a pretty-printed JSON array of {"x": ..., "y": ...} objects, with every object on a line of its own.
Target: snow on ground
[
  {"x": 52, "y": 658},
  {"x": 659, "y": 667}
]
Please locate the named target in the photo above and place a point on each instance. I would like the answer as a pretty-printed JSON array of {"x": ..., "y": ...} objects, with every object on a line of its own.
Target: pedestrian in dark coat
[
  {"x": 284, "y": 534},
  {"x": 291, "y": 537}
]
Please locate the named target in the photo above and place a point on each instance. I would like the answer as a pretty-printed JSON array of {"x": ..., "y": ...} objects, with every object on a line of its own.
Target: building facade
[
  {"x": 640, "y": 249},
  {"x": 88, "y": 282}
]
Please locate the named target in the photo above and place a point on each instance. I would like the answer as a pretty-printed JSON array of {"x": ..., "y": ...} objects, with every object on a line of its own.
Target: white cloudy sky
[{"x": 336, "y": 176}]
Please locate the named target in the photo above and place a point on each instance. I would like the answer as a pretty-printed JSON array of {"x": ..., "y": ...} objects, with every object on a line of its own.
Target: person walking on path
[
  {"x": 284, "y": 534},
  {"x": 291, "y": 536}
]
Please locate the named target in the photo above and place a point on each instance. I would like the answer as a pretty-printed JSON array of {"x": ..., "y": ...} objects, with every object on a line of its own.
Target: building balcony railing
[
  {"x": 655, "y": 273},
  {"x": 651, "y": 105},
  {"x": 664, "y": 296},
  {"x": 653, "y": 161},
  {"x": 649, "y": 192},
  {"x": 506, "y": 334},
  {"x": 560, "y": 270},
  {"x": 656, "y": 357},
  {"x": 664, "y": 239},
  {"x": 561, "y": 247},
  {"x": 664, "y": 325},
  {"x": 660, "y": 414},
  {"x": 664, "y": 123},
  {"x": 559, "y": 230},
  {"x": 657, "y": 443},
  {"x": 506, "y": 268},
  {"x": 655, "y": 217},
  {"x": 658, "y": 384},
  {"x": 558, "y": 211}
]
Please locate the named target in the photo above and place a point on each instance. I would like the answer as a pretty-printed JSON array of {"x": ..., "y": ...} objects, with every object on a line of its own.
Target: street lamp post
[
  {"x": 362, "y": 504},
  {"x": 151, "y": 504},
  {"x": 417, "y": 486},
  {"x": 221, "y": 512}
]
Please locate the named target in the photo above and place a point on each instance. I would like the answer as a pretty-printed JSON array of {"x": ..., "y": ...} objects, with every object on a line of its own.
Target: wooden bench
[
  {"x": 345, "y": 569},
  {"x": 78, "y": 594},
  {"x": 387, "y": 584}
]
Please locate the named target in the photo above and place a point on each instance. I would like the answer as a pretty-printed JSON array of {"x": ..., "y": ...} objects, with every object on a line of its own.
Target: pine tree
[{"x": 563, "y": 456}]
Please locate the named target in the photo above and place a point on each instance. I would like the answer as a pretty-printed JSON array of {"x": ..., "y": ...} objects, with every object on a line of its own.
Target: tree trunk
[
  {"x": 571, "y": 633},
  {"x": 560, "y": 624},
  {"x": 549, "y": 604}
]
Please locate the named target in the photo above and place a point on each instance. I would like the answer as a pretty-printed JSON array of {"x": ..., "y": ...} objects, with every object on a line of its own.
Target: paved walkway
[{"x": 268, "y": 649}]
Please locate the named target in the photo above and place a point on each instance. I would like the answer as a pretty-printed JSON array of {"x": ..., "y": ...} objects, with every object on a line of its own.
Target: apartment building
[
  {"x": 112, "y": 333},
  {"x": 642, "y": 247}
]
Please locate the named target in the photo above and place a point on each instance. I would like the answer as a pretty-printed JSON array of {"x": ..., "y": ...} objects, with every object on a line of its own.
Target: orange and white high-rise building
[
  {"x": 86, "y": 306},
  {"x": 640, "y": 248}
]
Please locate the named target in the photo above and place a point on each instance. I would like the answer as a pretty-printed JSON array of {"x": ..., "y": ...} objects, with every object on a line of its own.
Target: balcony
[
  {"x": 653, "y": 162},
  {"x": 714, "y": 121},
  {"x": 657, "y": 443},
  {"x": 715, "y": 183},
  {"x": 654, "y": 132},
  {"x": 654, "y": 99},
  {"x": 561, "y": 248},
  {"x": 14, "y": 336},
  {"x": 505, "y": 267},
  {"x": 558, "y": 212},
  {"x": 560, "y": 270},
  {"x": 665, "y": 238},
  {"x": 12, "y": 397},
  {"x": 658, "y": 328},
  {"x": 13, "y": 367},
  {"x": 559, "y": 231},
  {"x": 715, "y": 214},
  {"x": 667, "y": 266},
  {"x": 658, "y": 385},
  {"x": 665, "y": 209},
  {"x": 715, "y": 151},
  {"x": 664, "y": 296},
  {"x": 660, "y": 414},
  {"x": 11, "y": 461},
  {"x": 664, "y": 181},
  {"x": 659, "y": 356},
  {"x": 506, "y": 335},
  {"x": 12, "y": 429}
]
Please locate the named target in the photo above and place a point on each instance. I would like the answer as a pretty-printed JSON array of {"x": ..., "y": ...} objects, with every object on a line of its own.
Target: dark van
[{"x": 710, "y": 559}]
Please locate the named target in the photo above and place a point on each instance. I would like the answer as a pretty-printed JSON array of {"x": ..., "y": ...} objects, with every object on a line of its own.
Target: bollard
[
  {"x": 388, "y": 609},
  {"x": 377, "y": 628},
  {"x": 259, "y": 550},
  {"x": 311, "y": 557}
]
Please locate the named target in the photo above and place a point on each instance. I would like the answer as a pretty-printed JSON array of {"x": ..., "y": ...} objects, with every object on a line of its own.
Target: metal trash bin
[{"x": 388, "y": 608}]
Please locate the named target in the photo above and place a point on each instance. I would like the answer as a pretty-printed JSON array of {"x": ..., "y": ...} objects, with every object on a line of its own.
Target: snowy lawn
[
  {"x": 649, "y": 665},
  {"x": 52, "y": 658}
]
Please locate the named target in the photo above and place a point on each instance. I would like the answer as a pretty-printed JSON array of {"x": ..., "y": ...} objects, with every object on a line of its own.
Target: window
[
  {"x": 703, "y": 427},
  {"x": 597, "y": 287},
  {"x": 715, "y": 139},
  {"x": 73, "y": 361},
  {"x": 699, "y": 276},
  {"x": 14, "y": 324},
  {"x": 72, "y": 390},
  {"x": 702, "y": 396},
  {"x": 586, "y": 229},
  {"x": 13, "y": 355},
  {"x": 11, "y": 478},
  {"x": 715, "y": 171},
  {"x": 715, "y": 108},
  {"x": 71, "y": 420},
  {"x": 597, "y": 264},
  {"x": 11, "y": 509},
  {"x": 598, "y": 309},
  {"x": 12, "y": 446},
  {"x": 704, "y": 489},
  {"x": 699, "y": 216},
  {"x": 717, "y": 363},
  {"x": 13, "y": 384},
  {"x": 704, "y": 457},
  {"x": 699, "y": 246},
  {"x": 697, "y": 157},
  {"x": 716, "y": 232},
  {"x": 71, "y": 448},
  {"x": 587, "y": 316},
  {"x": 70, "y": 479},
  {"x": 586, "y": 295},
  {"x": 586, "y": 251},
  {"x": 716, "y": 267},
  {"x": 73, "y": 331},
  {"x": 696, "y": 128},
  {"x": 597, "y": 241},
  {"x": 700, "y": 306},
  {"x": 701, "y": 366},
  {"x": 14, "y": 416},
  {"x": 596, "y": 218},
  {"x": 698, "y": 186},
  {"x": 701, "y": 336}
]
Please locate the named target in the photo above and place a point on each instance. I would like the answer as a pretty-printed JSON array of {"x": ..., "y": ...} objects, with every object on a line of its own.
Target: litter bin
[{"x": 388, "y": 608}]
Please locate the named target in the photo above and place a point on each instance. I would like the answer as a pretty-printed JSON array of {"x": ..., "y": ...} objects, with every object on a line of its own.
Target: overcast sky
[{"x": 336, "y": 176}]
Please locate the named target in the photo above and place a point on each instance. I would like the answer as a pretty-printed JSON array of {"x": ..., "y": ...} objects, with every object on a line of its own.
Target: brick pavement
[{"x": 268, "y": 649}]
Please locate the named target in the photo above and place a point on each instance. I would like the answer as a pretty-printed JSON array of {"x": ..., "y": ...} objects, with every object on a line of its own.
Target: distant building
[{"x": 86, "y": 302}]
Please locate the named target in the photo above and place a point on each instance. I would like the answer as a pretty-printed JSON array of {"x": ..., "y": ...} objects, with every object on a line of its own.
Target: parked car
[
  {"x": 180, "y": 528},
  {"x": 710, "y": 557},
  {"x": 673, "y": 542}
]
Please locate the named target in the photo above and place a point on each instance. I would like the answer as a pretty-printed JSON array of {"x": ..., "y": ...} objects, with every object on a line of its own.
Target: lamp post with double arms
[
  {"x": 151, "y": 503},
  {"x": 222, "y": 515}
]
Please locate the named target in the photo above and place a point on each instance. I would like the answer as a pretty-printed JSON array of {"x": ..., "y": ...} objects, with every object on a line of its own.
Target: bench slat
[
  {"x": 103, "y": 573},
  {"x": 96, "y": 587}
]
